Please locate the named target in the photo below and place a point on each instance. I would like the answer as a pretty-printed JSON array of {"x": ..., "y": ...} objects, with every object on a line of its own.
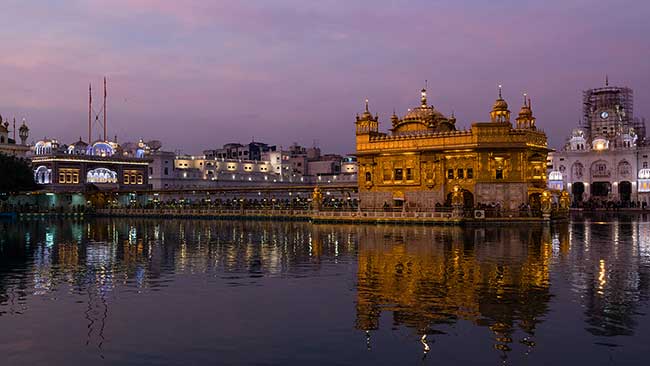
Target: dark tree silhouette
[{"x": 15, "y": 175}]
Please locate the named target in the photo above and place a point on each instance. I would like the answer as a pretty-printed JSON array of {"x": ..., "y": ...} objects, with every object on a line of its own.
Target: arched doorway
[
  {"x": 601, "y": 189},
  {"x": 468, "y": 199},
  {"x": 578, "y": 190},
  {"x": 625, "y": 191}
]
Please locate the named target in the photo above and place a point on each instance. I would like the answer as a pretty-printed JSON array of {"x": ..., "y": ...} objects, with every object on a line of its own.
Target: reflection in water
[
  {"x": 612, "y": 277},
  {"x": 501, "y": 281},
  {"x": 96, "y": 256},
  {"x": 426, "y": 278}
]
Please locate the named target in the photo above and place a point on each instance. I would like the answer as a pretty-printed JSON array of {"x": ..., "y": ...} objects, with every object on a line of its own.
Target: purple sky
[{"x": 197, "y": 73}]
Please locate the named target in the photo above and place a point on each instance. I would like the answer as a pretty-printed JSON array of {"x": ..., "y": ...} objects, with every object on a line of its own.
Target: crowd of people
[
  {"x": 250, "y": 204},
  {"x": 594, "y": 203}
]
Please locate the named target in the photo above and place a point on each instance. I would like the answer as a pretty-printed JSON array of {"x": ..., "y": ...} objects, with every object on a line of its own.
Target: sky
[{"x": 196, "y": 74}]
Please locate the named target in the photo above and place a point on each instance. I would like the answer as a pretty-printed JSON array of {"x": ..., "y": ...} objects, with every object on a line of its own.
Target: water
[{"x": 189, "y": 292}]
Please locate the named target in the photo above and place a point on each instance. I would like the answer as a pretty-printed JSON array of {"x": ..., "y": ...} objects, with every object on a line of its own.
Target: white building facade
[{"x": 605, "y": 159}]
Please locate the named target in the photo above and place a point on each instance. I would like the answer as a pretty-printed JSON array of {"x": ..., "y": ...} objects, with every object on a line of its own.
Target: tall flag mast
[
  {"x": 90, "y": 106},
  {"x": 105, "y": 139}
]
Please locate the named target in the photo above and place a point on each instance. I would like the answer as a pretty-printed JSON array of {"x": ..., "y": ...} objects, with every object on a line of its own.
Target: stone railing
[
  {"x": 200, "y": 212},
  {"x": 382, "y": 214}
]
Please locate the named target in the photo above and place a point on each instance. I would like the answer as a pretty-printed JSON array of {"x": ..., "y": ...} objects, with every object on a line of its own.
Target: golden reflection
[
  {"x": 430, "y": 278},
  {"x": 601, "y": 277}
]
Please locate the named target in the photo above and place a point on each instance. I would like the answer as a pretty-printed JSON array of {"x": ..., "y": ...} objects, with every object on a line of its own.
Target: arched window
[
  {"x": 101, "y": 175},
  {"x": 43, "y": 175},
  {"x": 368, "y": 177}
]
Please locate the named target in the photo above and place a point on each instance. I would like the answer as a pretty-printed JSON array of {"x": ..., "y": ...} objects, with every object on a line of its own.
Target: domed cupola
[
  {"x": 394, "y": 119},
  {"x": 4, "y": 125},
  {"x": 78, "y": 148},
  {"x": 424, "y": 118},
  {"x": 500, "y": 112},
  {"x": 525, "y": 118},
  {"x": 366, "y": 123},
  {"x": 23, "y": 133}
]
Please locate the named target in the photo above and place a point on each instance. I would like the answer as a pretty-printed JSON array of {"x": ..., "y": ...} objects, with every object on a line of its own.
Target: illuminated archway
[
  {"x": 101, "y": 175},
  {"x": 43, "y": 175}
]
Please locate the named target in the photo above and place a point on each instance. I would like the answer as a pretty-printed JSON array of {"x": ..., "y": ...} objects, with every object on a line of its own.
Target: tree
[{"x": 15, "y": 175}]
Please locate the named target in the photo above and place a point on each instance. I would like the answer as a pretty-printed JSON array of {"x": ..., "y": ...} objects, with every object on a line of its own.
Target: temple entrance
[
  {"x": 625, "y": 191},
  {"x": 601, "y": 189},
  {"x": 578, "y": 190},
  {"x": 468, "y": 199},
  {"x": 535, "y": 201}
]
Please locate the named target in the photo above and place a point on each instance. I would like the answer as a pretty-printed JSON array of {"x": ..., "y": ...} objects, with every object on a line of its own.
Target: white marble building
[{"x": 606, "y": 157}]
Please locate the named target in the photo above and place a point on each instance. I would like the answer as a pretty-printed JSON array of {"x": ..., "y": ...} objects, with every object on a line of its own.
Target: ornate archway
[
  {"x": 625, "y": 191},
  {"x": 578, "y": 190}
]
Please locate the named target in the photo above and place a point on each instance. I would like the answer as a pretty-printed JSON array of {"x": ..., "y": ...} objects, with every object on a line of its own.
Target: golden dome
[
  {"x": 366, "y": 115},
  {"x": 423, "y": 114},
  {"x": 525, "y": 118},
  {"x": 500, "y": 105},
  {"x": 500, "y": 112},
  {"x": 525, "y": 111}
]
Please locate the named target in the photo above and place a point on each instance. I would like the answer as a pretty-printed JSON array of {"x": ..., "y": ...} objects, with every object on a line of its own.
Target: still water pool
[{"x": 193, "y": 292}]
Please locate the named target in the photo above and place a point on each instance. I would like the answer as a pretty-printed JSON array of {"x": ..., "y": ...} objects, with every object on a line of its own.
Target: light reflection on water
[{"x": 361, "y": 294}]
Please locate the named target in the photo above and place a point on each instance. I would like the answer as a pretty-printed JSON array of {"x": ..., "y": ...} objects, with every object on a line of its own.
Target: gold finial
[
  {"x": 525, "y": 98},
  {"x": 367, "y": 105},
  {"x": 500, "y": 86}
]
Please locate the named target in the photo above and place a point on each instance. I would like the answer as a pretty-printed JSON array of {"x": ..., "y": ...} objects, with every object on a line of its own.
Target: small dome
[
  {"x": 500, "y": 105},
  {"x": 101, "y": 148},
  {"x": 366, "y": 115},
  {"x": 525, "y": 111}
]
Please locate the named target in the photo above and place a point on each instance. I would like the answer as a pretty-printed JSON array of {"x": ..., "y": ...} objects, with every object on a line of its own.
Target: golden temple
[{"x": 424, "y": 159}]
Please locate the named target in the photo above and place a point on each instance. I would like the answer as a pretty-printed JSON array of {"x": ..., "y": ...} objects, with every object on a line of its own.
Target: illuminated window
[
  {"x": 450, "y": 174},
  {"x": 140, "y": 179},
  {"x": 461, "y": 174},
  {"x": 499, "y": 174},
  {"x": 368, "y": 177},
  {"x": 101, "y": 175},
  {"x": 43, "y": 175},
  {"x": 409, "y": 174},
  {"x": 62, "y": 178},
  {"x": 398, "y": 174},
  {"x": 470, "y": 173}
]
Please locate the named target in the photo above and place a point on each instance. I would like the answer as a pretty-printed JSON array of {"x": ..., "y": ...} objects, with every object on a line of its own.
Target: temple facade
[
  {"x": 423, "y": 159},
  {"x": 80, "y": 167}
]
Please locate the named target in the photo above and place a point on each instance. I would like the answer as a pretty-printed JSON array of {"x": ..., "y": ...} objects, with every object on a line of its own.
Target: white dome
[{"x": 555, "y": 175}]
